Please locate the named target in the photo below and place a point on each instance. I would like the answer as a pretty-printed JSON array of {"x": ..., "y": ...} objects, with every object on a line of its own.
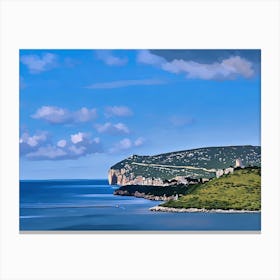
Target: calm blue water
[{"x": 91, "y": 205}]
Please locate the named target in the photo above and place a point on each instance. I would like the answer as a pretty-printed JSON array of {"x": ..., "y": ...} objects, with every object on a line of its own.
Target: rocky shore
[
  {"x": 193, "y": 210},
  {"x": 143, "y": 195}
]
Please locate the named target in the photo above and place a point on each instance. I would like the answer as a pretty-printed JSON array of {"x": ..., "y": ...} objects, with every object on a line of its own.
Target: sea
[{"x": 90, "y": 205}]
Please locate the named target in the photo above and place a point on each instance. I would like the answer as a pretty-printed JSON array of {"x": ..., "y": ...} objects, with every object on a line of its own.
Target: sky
[{"x": 82, "y": 111}]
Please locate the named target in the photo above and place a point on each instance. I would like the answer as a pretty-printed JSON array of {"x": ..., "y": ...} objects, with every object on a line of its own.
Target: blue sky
[{"x": 81, "y": 111}]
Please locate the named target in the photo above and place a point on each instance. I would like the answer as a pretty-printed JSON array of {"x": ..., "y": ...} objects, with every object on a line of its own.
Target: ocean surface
[{"x": 90, "y": 205}]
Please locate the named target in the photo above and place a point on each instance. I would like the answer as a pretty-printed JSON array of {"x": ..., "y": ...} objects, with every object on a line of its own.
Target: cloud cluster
[
  {"x": 56, "y": 115},
  {"x": 229, "y": 68},
  {"x": 126, "y": 144},
  {"x": 37, "y": 64},
  {"x": 29, "y": 143},
  {"x": 126, "y": 83},
  {"x": 109, "y": 59},
  {"x": 40, "y": 147},
  {"x": 118, "y": 111},
  {"x": 48, "y": 152},
  {"x": 208, "y": 56},
  {"x": 110, "y": 128}
]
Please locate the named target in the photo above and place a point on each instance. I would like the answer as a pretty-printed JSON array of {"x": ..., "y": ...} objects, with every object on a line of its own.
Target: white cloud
[
  {"x": 83, "y": 145},
  {"x": 76, "y": 138},
  {"x": 123, "y": 144},
  {"x": 61, "y": 143},
  {"x": 31, "y": 143},
  {"x": 126, "y": 83},
  {"x": 47, "y": 152},
  {"x": 112, "y": 128},
  {"x": 84, "y": 115},
  {"x": 146, "y": 57},
  {"x": 139, "y": 142},
  {"x": 108, "y": 58},
  {"x": 121, "y": 127},
  {"x": 39, "y": 147},
  {"x": 119, "y": 111},
  {"x": 126, "y": 144},
  {"x": 34, "y": 140},
  {"x": 52, "y": 114},
  {"x": 238, "y": 65},
  {"x": 77, "y": 150},
  {"x": 37, "y": 64},
  {"x": 229, "y": 68},
  {"x": 56, "y": 115}
]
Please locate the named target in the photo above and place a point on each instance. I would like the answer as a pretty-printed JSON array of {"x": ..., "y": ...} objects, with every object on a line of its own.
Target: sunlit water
[{"x": 91, "y": 205}]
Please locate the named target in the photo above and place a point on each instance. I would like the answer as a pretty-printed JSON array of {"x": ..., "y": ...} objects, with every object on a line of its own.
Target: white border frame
[{"x": 139, "y": 24}]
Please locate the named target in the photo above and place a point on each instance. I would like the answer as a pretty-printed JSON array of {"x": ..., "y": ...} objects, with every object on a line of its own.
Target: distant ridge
[
  {"x": 195, "y": 163},
  {"x": 210, "y": 147}
]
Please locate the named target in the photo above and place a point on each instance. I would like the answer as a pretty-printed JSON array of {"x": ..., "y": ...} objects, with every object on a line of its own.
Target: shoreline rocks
[
  {"x": 194, "y": 210},
  {"x": 143, "y": 195}
]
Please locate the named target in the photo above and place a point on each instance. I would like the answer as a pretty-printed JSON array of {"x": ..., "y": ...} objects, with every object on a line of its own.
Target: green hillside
[
  {"x": 195, "y": 163},
  {"x": 240, "y": 191}
]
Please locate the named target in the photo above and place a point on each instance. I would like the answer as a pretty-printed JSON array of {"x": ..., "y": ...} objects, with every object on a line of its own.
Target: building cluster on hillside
[
  {"x": 178, "y": 180},
  {"x": 229, "y": 170},
  {"x": 140, "y": 180},
  {"x": 221, "y": 172}
]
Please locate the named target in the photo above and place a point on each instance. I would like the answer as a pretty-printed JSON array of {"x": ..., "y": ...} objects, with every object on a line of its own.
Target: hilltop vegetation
[
  {"x": 240, "y": 191},
  {"x": 195, "y": 163}
]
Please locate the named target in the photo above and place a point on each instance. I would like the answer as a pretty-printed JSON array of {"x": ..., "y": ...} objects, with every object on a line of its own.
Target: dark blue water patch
[
  {"x": 91, "y": 205},
  {"x": 61, "y": 182}
]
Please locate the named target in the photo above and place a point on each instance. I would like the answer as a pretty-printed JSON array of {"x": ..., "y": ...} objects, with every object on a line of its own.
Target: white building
[
  {"x": 219, "y": 173},
  {"x": 229, "y": 170},
  {"x": 238, "y": 163}
]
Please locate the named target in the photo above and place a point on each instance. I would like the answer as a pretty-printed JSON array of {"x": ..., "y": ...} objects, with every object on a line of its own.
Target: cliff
[
  {"x": 117, "y": 177},
  {"x": 180, "y": 166}
]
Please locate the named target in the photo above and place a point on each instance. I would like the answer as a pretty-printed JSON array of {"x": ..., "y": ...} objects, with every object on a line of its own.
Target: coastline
[
  {"x": 194, "y": 210},
  {"x": 159, "y": 208},
  {"x": 143, "y": 195}
]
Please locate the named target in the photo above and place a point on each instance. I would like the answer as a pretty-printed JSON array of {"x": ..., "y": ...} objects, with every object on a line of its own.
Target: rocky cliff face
[
  {"x": 112, "y": 177},
  {"x": 117, "y": 177}
]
